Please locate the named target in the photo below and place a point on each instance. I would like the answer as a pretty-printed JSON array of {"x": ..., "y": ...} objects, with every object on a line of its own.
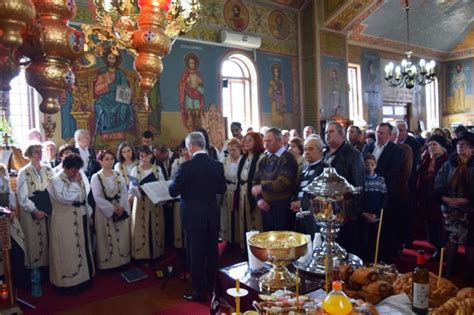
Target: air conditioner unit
[{"x": 240, "y": 40}]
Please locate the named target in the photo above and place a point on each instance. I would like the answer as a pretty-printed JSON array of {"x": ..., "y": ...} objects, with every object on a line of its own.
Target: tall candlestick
[
  {"x": 440, "y": 271},
  {"x": 297, "y": 288},
  {"x": 378, "y": 239},
  {"x": 237, "y": 299}
]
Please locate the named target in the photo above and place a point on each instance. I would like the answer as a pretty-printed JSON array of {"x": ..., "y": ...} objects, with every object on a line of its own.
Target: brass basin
[{"x": 279, "y": 248}]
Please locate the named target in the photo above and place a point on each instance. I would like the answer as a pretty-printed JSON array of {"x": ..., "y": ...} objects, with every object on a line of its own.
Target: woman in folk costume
[
  {"x": 250, "y": 216},
  {"x": 31, "y": 182},
  {"x": 72, "y": 265},
  {"x": 18, "y": 250},
  {"x": 231, "y": 164},
  {"x": 112, "y": 211},
  {"x": 148, "y": 225},
  {"x": 126, "y": 161},
  {"x": 177, "y": 227}
]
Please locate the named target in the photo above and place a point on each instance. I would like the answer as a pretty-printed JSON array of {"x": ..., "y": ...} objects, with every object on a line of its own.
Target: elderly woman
[
  {"x": 455, "y": 184},
  {"x": 33, "y": 179},
  {"x": 313, "y": 152},
  {"x": 428, "y": 206},
  {"x": 250, "y": 216},
  {"x": 72, "y": 264},
  {"x": 231, "y": 165},
  {"x": 112, "y": 211}
]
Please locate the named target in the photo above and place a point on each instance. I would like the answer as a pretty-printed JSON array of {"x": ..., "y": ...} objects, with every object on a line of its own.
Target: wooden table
[{"x": 227, "y": 276}]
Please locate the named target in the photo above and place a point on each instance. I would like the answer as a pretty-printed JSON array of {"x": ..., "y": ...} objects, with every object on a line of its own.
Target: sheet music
[{"x": 157, "y": 191}]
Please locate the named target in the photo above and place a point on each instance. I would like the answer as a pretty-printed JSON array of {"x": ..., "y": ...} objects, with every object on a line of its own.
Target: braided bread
[{"x": 438, "y": 294}]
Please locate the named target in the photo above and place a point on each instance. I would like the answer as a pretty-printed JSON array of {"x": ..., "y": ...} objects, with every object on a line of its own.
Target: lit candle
[
  {"x": 326, "y": 273},
  {"x": 404, "y": 65},
  {"x": 237, "y": 298},
  {"x": 390, "y": 68},
  {"x": 397, "y": 72},
  {"x": 422, "y": 65},
  {"x": 432, "y": 66},
  {"x": 387, "y": 71}
]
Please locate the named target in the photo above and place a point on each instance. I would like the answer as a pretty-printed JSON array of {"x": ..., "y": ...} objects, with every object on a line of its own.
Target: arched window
[
  {"x": 23, "y": 113},
  {"x": 240, "y": 91}
]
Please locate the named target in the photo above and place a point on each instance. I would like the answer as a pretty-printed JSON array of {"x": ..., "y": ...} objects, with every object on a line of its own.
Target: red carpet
[
  {"x": 407, "y": 262},
  {"x": 186, "y": 308},
  {"x": 107, "y": 284}
]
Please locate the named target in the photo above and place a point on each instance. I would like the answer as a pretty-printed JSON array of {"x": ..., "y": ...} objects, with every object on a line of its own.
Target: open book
[{"x": 157, "y": 191}]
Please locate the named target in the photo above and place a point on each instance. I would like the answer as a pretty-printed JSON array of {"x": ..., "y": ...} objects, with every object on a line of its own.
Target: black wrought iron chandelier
[{"x": 408, "y": 74}]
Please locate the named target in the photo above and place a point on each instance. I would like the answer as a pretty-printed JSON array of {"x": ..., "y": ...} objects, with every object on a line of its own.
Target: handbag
[
  {"x": 118, "y": 218},
  {"x": 42, "y": 202}
]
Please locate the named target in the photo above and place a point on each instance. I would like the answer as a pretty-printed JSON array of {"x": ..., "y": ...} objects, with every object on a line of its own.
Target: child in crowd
[{"x": 375, "y": 198}]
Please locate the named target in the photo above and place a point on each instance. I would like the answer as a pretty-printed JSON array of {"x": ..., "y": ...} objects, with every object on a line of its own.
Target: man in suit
[
  {"x": 354, "y": 135},
  {"x": 82, "y": 139},
  {"x": 199, "y": 181},
  {"x": 389, "y": 163},
  {"x": 404, "y": 199},
  {"x": 404, "y": 138}
]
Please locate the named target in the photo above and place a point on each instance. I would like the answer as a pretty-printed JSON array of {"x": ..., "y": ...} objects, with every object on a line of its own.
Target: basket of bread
[
  {"x": 367, "y": 283},
  {"x": 439, "y": 294},
  {"x": 461, "y": 304}
]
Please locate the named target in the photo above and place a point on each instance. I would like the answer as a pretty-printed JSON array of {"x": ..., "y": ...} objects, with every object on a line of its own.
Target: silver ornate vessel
[{"x": 328, "y": 193}]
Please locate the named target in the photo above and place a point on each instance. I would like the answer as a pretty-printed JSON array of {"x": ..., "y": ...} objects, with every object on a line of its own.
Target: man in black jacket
[
  {"x": 348, "y": 163},
  {"x": 199, "y": 181},
  {"x": 415, "y": 146},
  {"x": 389, "y": 162}
]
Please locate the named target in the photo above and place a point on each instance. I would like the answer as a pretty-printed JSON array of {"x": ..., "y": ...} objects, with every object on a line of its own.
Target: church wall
[
  {"x": 172, "y": 128},
  {"x": 375, "y": 91},
  {"x": 279, "y": 46},
  {"x": 458, "y": 107},
  {"x": 334, "y": 98}
]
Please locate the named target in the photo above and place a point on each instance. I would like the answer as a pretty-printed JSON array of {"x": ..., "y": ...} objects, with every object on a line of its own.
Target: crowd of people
[{"x": 81, "y": 210}]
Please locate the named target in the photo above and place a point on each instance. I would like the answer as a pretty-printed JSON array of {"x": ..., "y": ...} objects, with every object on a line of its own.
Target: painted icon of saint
[
  {"x": 191, "y": 93},
  {"x": 236, "y": 15},
  {"x": 112, "y": 95},
  {"x": 276, "y": 92}
]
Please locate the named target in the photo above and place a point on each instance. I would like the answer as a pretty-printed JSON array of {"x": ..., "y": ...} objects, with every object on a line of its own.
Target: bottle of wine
[{"x": 421, "y": 286}]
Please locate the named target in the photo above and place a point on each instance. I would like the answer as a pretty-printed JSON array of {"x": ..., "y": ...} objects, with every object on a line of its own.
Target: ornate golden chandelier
[
  {"x": 39, "y": 30},
  {"x": 143, "y": 28}
]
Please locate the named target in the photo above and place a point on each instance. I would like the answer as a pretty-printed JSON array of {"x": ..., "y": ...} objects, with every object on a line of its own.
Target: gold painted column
[
  {"x": 82, "y": 119},
  {"x": 142, "y": 121}
]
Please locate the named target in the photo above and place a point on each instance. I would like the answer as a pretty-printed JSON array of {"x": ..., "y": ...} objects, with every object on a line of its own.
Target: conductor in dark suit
[{"x": 199, "y": 181}]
